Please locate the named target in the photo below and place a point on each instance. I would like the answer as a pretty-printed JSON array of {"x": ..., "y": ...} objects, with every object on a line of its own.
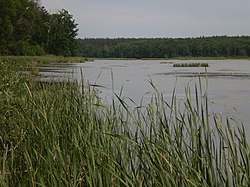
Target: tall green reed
[{"x": 52, "y": 134}]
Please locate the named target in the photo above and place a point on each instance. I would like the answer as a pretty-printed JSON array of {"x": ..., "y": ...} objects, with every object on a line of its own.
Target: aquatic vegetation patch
[{"x": 191, "y": 65}]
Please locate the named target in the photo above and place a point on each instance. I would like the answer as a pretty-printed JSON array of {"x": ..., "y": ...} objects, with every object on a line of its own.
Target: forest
[
  {"x": 27, "y": 28},
  {"x": 216, "y": 46}
]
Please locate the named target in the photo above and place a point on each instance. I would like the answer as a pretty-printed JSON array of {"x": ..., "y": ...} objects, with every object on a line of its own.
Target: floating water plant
[{"x": 191, "y": 65}]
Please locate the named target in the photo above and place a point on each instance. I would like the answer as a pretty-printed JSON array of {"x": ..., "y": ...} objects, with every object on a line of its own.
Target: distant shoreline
[
  {"x": 179, "y": 58},
  {"x": 78, "y": 59}
]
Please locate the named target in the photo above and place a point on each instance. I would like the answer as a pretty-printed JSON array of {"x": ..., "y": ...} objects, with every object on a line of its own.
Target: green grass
[
  {"x": 53, "y": 134},
  {"x": 29, "y": 63},
  {"x": 191, "y": 65},
  {"x": 43, "y": 59}
]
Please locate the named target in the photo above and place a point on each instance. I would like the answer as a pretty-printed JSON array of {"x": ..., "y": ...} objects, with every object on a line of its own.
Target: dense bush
[{"x": 22, "y": 48}]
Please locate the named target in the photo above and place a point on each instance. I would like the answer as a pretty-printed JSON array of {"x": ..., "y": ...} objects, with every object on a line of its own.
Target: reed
[
  {"x": 54, "y": 134},
  {"x": 191, "y": 65},
  {"x": 43, "y": 59}
]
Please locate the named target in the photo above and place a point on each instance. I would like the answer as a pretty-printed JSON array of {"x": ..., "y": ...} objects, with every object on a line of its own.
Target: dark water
[{"x": 227, "y": 82}]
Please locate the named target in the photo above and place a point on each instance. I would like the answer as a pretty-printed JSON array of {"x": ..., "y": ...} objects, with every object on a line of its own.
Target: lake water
[{"x": 228, "y": 81}]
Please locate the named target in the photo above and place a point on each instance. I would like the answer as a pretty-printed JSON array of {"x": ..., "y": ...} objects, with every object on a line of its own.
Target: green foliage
[
  {"x": 61, "y": 33},
  {"x": 7, "y": 13},
  {"x": 23, "y": 48},
  {"x": 26, "y": 28},
  {"x": 217, "y": 46}
]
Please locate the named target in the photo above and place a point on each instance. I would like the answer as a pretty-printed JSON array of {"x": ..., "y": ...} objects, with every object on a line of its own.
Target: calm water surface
[{"x": 228, "y": 81}]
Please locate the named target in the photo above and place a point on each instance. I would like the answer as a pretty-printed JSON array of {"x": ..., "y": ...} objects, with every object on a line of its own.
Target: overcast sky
[{"x": 156, "y": 18}]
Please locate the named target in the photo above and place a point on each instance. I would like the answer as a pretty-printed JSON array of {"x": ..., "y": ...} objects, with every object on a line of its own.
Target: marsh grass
[
  {"x": 54, "y": 134},
  {"x": 42, "y": 59},
  {"x": 191, "y": 65},
  {"x": 30, "y": 65}
]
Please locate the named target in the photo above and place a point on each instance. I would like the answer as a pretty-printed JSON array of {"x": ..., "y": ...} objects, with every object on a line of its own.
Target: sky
[{"x": 156, "y": 18}]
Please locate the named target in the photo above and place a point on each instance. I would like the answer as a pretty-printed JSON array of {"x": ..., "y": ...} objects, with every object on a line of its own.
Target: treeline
[
  {"x": 217, "y": 46},
  {"x": 27, "y": 28}
]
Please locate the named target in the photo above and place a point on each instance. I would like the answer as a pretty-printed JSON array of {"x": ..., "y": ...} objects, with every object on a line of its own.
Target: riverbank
[
  {"x": 179, "y": 58},
  {"x": 44, "y": 59},
  {"x": 61, "y": 59}
]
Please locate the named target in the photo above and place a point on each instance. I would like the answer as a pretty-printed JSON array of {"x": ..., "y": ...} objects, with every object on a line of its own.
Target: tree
[
  {"x": 62, "y": 31},
  {"x": 7, "y": 14},
  {"x": 26, "y": 28}
]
